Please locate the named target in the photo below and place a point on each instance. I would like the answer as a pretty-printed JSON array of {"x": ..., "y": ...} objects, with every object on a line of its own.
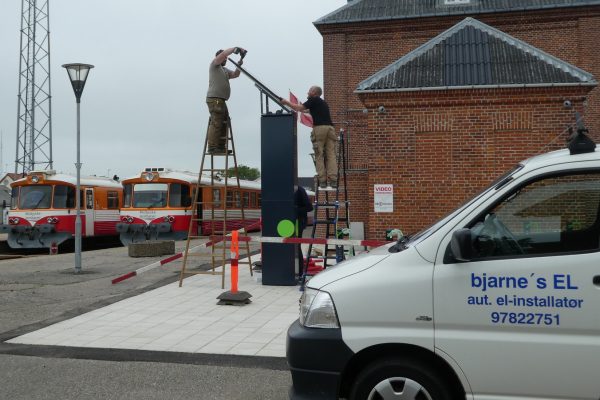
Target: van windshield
[{"x": 495, "y": 185}]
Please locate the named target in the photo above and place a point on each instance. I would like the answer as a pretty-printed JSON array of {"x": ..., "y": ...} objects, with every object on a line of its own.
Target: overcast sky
[{"x": 144, "y": 102}]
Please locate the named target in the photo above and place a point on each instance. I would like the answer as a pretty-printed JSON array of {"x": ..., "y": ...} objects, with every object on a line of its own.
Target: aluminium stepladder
[{"x": 332, "y": 212}]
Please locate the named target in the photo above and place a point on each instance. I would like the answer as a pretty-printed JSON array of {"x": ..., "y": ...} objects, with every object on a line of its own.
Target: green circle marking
[{"x": 286, "y": 228}]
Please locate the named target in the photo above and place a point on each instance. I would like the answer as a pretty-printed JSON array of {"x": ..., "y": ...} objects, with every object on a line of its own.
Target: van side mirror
[{"x": 462, "y": 245}]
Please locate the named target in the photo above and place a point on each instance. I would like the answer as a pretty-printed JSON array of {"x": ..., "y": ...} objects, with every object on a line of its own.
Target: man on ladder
[
  {"x": 323, "y": 136},
  {"x": 218, "y": 93}
]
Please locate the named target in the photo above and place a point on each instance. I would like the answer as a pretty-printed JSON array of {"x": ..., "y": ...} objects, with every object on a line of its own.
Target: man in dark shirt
[
  {"x": 303, "y": 207},
  {"x": 323, "y": 136}
]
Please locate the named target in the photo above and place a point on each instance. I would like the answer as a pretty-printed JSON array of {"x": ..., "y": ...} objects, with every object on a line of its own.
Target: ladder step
[{"x": 209, "y": 272}]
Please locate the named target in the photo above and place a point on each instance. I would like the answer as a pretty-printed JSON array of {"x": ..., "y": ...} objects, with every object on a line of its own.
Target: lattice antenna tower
[{"x": 34, "y": 122}]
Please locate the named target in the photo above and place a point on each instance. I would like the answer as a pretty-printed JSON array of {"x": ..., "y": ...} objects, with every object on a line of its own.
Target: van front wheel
[{"x": 398, "y": 379}]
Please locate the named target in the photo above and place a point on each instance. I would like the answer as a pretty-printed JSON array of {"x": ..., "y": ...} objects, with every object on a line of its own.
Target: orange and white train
[
  {"x": 43, "y": 209},
  {"x": 158, "y": 205}
]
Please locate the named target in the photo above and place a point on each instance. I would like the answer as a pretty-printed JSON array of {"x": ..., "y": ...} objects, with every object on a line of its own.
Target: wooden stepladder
[{"x": 212, "y": 213}]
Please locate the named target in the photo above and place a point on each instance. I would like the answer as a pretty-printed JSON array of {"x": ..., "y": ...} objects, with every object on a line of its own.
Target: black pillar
[{"x": 278, "y": 177}]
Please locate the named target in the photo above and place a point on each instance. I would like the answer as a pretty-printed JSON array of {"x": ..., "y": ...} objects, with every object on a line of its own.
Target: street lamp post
[{"x": 78, "y": 74}]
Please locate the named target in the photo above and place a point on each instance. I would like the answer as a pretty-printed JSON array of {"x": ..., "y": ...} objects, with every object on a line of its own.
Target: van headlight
[{"x": 317, "y": 310}]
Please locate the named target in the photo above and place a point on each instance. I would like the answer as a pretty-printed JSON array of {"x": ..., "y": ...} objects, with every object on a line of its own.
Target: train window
[
  {"x": 112, "y": 200},
  {"x": 33, "y": 197},
  {"x": 179, "y": 195},
  {"x": 238, "y": 201},
  {"x": 246, "y": 199},
  {"x": 127, "y": 195},
  {"x": 150, "y": 195},
  {"x": 259, "y": 199},
  {"x": 14, "y": 197},
  {"x": 64, "y": 196},
  {"x": 217, "y": 197},
  {"x": 89, "y": 199},
  {"x": 253, "y": 199},
  {"x": 186, "y": 196},
  {"x": 230, "y": 199}
]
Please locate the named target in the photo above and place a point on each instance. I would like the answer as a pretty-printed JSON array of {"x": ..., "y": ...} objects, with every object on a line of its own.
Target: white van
[{"x": 498, "y": 300}]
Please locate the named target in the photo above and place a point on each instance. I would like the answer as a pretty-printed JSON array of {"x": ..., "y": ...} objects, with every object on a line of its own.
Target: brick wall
[{"x": 439, "y": 148}]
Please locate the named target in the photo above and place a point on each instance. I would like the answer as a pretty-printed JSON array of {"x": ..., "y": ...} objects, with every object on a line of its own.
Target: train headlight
[
  {"x": 13, "y": 221},
  {"x": 149, "y": 176},
  {"x": 129, "y": 219},
  {"x": 52, "y": 220},
  {"x": 35, "y": 179},
  {"x": 168, "y": 218}
]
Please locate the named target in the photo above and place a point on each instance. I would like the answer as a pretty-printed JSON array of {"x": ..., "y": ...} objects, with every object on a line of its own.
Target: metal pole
[{"x": 78, "y": 202}]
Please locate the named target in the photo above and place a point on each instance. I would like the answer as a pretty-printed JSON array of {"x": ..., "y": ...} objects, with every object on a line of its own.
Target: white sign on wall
[{"x": 384, "y": 198}]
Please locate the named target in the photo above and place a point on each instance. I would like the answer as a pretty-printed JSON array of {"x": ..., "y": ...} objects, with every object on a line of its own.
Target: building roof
[
  {"x": 4, "y": 195},
  {"x": 13, "y": 176},
  {"x": 472, "y": 54},
  {"x": 377, "y": 10}
]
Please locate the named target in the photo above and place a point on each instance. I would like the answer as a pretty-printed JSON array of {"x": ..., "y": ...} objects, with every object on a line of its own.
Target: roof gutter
[{"x": 464, "y": 87}]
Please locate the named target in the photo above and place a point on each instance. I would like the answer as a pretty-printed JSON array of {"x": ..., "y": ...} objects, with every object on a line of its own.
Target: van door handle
[{"x": 597, "y": 280}]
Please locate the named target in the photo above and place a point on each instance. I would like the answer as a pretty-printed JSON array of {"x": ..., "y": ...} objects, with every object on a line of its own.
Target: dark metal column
[{"x": 279, "y": 172}]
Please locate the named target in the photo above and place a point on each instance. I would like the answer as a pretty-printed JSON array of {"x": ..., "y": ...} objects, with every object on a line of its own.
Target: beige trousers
[
  {"x": 217, "y": 130},
  {"x": 324, "y": 139}
]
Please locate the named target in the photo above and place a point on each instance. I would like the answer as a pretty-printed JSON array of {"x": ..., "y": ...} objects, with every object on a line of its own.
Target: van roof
[{"x": 559, "y": 157}]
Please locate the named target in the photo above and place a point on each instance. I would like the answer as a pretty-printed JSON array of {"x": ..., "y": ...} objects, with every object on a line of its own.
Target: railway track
[{"x": 90, "y": 244}]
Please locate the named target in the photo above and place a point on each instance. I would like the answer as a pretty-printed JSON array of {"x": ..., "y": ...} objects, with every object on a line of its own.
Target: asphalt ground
[{"x": 40, "y": 290}]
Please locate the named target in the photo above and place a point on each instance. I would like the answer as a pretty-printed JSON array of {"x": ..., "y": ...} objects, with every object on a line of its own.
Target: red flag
[{"x": 305, "y": 119}]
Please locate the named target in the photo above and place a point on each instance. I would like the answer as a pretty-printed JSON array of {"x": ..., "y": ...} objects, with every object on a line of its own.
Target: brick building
[{"x": 468, "y": 88}]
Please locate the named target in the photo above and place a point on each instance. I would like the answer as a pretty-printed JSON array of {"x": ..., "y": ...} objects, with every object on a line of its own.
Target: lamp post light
[{"x": 78, "y": 74}]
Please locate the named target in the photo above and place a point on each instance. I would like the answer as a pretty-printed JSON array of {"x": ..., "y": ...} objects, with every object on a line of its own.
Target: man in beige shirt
[{"x": 217, "y": 95}]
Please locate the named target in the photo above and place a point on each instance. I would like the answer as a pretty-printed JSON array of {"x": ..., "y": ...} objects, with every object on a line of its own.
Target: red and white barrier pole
[
  {"x": 334, "y": 242},
  {"x": 173, "y": 258},
  {"x": 257, "y": 239}
]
